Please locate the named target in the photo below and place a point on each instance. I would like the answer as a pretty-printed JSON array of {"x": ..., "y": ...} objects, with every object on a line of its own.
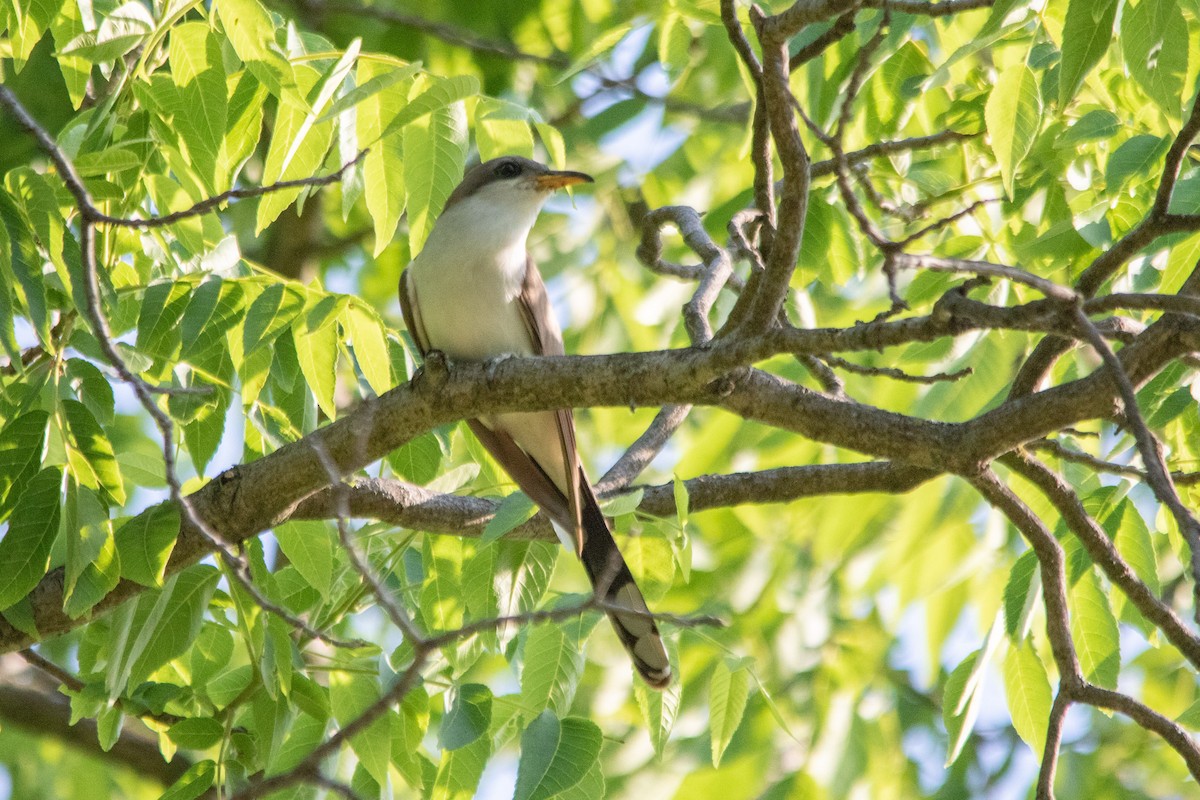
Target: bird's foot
[{"x": 434, "y": 371}]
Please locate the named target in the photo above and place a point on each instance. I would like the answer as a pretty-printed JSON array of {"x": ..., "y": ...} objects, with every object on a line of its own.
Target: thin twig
[
  {"x": 647, "y": 446},
  {"x": 897, "y": 374}
]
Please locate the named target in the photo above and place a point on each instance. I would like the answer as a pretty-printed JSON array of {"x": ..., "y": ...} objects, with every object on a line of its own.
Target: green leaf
[
  {"x": 435, "y": 147},
  {"x": 1191, "y": 717},
  {"x": 600, "y": 45},
  {"x": 122, "y": 30},
  {"x": 145, "y": 542},
  {"x": 1096, "y": 125},
  {"x": 383, "y": 168},
  {"x": 174, "y": 622},
  {"x": 469, "y": 716},
  {"x": 552, "y": 140},
  {"x": 502, "y": 128},
  {"x": 317, "y": 351},
  {"x": 108, "y": 727},
  {"x": 375, "y": 76},
  {"x": 960, "y": 708},
  {"x": 1154, "y": 36},
  {"x": 296, "y": 150},
  {"x": 162, "y": 307},
  {"x": 441, "y": 598},
  {"x": 1135, "y": 545},
  {"x": 441, "y": 93},
  {"x": 728, "y": 690},
  {"x": 22, "y": 445},
  {"x": 227, "y": 685},
  {"x": 251, "y": 31},
  {"x": 1094, "y": 629},
  {"x": 196, "y": 733},
  {"x": 92, "y": 388},
  {"x": 519, "y": 577},
  {"x": 1087, "y": 34},
  {"x": 211, "y": 652},
  {"x": 330, "y": 83},
  {"x": 660, "y": 708},
  {"x": 1021, "y": 594},
  {"x": 459, "y": 771},
  {"x": 25, "y": 548},
  {"x": 552, "y": 668},
  {"x": 201, "y": 108},
  {"x": 419, "y": 460},
  {"x": 216, "y": 306},
  {"x": 1027, "y": 690},
  {"x": 1013, "y": 114},
  {"x": 1137, "y": 156},
  {"x": 513, "y": 511},
  {"x": 369, "y": 340},
  {"x": 91, "y": 551},
  {"x": 623, "y": 503},
  {"x": 555, "y": 756},
  {"x": 90, "y": 457},
  {"x": 309, "y": 545},
  {"x": 269, "y": 315},
  {"x": 193, "y": 783},
  {"x": 350, "y": 694}
]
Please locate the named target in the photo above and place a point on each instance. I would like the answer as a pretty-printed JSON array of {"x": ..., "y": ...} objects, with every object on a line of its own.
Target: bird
[{"x": 474, "y": 293}]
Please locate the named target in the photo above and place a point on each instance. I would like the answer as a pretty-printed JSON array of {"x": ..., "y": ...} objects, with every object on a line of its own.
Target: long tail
[{"x": 610, "y": 574}]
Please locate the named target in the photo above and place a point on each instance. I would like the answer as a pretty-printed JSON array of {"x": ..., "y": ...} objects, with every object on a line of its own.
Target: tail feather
[{"x": 610, "y": 576}]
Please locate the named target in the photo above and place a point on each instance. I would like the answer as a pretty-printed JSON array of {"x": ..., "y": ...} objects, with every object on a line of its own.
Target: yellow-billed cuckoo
[{"x": 475, "y": 294}]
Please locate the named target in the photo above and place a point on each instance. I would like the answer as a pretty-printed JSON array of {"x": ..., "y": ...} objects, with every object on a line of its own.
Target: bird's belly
[{"x": 471, "y": 316}]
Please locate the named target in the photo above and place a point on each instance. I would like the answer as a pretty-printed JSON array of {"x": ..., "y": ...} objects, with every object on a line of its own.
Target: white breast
[{"x": 468, "y": 277}]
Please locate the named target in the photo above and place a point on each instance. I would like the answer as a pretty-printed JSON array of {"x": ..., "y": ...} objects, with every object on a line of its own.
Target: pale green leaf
[
  {"x": 22, "y": 444},
  {"x": 728, "y": 690},
  {"x": 1027, "y": 690},
  {"x": 1013, "y": 115},
  {"x": 1094, "y": 629},
  {"x": 369, "y": 340},
  {"x": 442, "y": 92},
  {"x": 435, "y": 147},
  {"x": 1087, "y": 34},
  {"x": 297, "y": 150},
  {"x": 960, "y": 707},
  {"x": 309, "y": 546},
  {"x": 317, "y": 351}
]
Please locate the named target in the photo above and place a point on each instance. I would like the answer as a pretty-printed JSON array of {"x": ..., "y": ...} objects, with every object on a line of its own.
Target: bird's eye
[{"x": 508, "y": 170}]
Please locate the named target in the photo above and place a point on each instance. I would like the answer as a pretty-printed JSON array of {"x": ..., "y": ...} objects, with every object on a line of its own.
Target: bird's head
[
  {"x": 499, "y": 200},
  {"x": 513, "y": 179}
]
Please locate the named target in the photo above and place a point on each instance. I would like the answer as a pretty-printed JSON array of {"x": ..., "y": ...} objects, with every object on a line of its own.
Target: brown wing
[
  {"x": 546, "y": 338},
  {"x": 411, "y": 310}
]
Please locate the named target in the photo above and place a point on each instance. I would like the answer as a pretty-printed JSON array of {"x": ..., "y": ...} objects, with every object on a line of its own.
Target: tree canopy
[{"x": 884, "y": 317}]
